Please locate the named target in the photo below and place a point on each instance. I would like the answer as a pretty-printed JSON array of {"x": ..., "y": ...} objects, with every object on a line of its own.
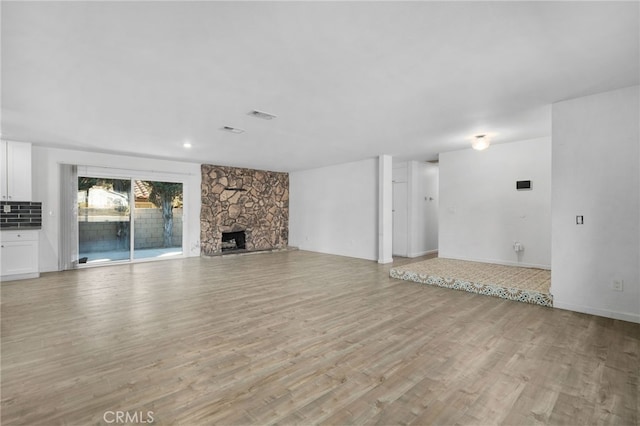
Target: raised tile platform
[{"x": 528, "y": 285}]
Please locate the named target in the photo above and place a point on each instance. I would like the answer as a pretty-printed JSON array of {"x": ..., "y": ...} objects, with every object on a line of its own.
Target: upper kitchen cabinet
[{"x": 15, "y": 171}]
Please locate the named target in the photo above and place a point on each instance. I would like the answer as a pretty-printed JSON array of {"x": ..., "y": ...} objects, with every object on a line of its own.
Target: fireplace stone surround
[{"x": 234, "y": 199}]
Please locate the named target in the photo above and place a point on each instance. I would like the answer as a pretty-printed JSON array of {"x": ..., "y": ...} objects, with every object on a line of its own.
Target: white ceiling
[{"x": 347, "y": 80}]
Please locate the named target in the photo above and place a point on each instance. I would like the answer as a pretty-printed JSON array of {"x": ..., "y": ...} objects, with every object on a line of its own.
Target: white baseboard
[
  {"x": 387, "y": 260},
  {"x": 624, "y": 316},
  {"x": 334, "y": 253},
  {"x": 500, "y": 262},
  {"x": 422, "y": 253},
  {"x": 16, "y": 277}
]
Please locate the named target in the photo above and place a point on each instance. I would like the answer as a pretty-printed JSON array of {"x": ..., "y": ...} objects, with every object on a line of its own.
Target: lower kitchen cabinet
[{"x": 19, "y": 255}]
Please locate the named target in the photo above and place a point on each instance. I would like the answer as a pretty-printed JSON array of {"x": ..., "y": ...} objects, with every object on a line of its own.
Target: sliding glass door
[{"x": 126, "y": 219}]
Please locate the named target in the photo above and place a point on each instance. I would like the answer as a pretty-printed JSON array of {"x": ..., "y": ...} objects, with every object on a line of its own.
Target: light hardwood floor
[{"x": 298, "y": 337}]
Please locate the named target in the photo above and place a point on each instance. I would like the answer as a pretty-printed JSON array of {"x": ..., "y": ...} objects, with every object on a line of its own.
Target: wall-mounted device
[
  {"x": 580, "y": 220},
  {"x": 523, "y": 185}
]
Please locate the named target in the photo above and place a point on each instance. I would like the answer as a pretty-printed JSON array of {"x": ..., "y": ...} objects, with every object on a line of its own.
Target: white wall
[
  {"x": 481, "y": 213},
  {"x": 46, "y": 188},
  {"x": 335, "y": 209},
  {"x": 595, "y": 174}
]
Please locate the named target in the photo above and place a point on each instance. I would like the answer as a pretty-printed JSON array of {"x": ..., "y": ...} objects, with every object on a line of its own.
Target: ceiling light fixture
[
  {"x": 480, "y": 142},
  {"x": 232, "y": 129},
  {"x": 262, "y": 114},
  {"x": 186, "y": 145}
]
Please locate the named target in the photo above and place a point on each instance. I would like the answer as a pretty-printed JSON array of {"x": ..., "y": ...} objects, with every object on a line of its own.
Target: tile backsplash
[{"x": 23, "y": 215}]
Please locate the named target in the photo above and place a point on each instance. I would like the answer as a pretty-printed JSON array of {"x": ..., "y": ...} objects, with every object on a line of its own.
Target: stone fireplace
[{"x": 243, "y": 207}]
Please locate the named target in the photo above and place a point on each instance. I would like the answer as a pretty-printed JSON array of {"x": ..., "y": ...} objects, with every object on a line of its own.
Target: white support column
[
  {"x": 412, "y": 184},
  {"x": 385, "y": 207}
]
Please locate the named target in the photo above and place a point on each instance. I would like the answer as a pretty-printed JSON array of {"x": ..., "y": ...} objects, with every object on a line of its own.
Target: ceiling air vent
[
  {"x": 262, "y": 114},
  {"x": 232, "y": 129}
]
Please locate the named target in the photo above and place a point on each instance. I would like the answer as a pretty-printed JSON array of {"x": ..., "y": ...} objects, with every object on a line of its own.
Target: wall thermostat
[{"x": 523, "y": 185}]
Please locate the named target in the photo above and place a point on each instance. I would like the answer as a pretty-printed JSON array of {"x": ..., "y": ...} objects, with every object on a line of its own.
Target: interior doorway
[{"x": 415, "y": 208}]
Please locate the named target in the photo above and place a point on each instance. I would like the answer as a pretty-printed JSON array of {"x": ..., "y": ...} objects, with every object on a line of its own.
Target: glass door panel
[
  {"x": 157, "y": 219},
  {"x": 104, "y": 220}
]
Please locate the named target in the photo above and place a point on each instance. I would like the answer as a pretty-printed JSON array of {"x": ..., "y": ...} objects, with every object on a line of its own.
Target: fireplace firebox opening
[{"x": 233, "y": 241}]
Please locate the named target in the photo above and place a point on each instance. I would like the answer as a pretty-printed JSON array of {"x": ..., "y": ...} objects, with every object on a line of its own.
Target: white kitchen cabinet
[
  {"x": 15, "y": 171},
  {"x": 18, "y": 255}
]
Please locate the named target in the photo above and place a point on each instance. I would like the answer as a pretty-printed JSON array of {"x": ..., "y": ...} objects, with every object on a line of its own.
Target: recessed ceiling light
[
  {"x": 186, "y": 145},
  {"x": 232, "y": 129},
  {"x": 262, "y": 114}
]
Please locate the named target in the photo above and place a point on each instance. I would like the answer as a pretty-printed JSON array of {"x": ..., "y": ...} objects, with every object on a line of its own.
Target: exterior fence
[{"x": 114, "y": 235}]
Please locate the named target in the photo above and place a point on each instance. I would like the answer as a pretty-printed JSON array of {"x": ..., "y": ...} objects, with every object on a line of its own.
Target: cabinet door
[
  {"x": 3, "y": 171},
  {"x": 18, "y": 171},
  {"x": 18, "y": 257}
]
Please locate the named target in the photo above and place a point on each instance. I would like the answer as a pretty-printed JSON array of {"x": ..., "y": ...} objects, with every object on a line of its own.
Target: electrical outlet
[{"x": 617, "y": 285}]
